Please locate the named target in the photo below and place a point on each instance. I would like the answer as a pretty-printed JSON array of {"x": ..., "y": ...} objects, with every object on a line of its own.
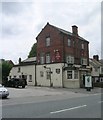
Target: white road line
[
  {"x": 100, "y": 101},
  {"x": 68, "y": 109}
]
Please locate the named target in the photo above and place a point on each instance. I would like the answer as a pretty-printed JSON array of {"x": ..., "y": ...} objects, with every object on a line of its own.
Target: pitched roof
[
  {"x": 67, "y": 32},
  {"x": 31, "y": 59},
  {"x": 94, "y": 62},
  {"x": 26, "y": 62},
  {"x": 63, "y": 31}
]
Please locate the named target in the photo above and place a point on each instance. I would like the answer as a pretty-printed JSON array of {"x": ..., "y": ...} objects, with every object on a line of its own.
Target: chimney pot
[
  {"x": 75, "y": 29},
  {"x": 96, "y": 57}
]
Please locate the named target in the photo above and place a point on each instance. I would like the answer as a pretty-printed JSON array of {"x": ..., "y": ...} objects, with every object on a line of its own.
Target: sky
[{"x": 22, "y": 21}]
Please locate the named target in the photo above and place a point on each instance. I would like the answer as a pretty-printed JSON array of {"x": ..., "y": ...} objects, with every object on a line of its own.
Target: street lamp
[{"x": 50, "y": 72}]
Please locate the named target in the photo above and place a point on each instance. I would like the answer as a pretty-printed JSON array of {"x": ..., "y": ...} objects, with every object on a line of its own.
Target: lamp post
[{"x": 49, "y": 74}]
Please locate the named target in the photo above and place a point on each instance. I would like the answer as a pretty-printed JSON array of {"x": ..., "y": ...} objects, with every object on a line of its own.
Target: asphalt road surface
[{"x": 54, "y": 107}]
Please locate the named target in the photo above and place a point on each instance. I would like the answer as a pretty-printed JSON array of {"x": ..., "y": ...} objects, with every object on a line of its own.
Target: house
[
  {"x": 97, "y": 69},
  {"x": 25, "y": 69},
  {"x": 62, "y": 57}
]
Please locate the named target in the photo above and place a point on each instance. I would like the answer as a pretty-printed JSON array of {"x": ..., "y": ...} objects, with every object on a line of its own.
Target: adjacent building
[
  {"x": 25, "y": 69},
  {"x": 96, "y": 69}
]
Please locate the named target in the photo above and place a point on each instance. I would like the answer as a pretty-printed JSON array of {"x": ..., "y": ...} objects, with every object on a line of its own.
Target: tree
[
  {"x": 33, "y": 51},
  {"x": 6, "y": 67}
]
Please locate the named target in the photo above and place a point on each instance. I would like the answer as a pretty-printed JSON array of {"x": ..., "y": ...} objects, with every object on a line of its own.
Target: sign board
[{"x": 88, "y": 81}]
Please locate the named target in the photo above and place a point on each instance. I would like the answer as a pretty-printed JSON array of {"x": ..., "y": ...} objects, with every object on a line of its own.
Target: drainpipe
[
  {"x": 35, "y": 75},
  {"x": 63, "y": 61}
]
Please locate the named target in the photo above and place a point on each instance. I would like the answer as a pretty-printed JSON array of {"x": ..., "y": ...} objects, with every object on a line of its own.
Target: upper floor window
[
  {"x": 42, "y": 58},
  {"x": 69, "y": 42},
  {"x": 48, "y": 41},
  {"x": 83, "y": 61},
  {"x": 48, "y": 58},
  {"x": 70, "y": 59},
  {"x": 82, "y": 45}
]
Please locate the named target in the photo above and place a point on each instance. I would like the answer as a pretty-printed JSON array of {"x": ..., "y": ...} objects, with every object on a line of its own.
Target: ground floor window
[
  {"x": 69, "y": 74},
  {"x": 30, "y": 78},
  {"x": 14, "y": 76},
  {"x": 9, "y": 77},
  {"x": 48, "y": 74},
  {"x": 41, "y": 73},
  {"x": 75, "y": 74}
]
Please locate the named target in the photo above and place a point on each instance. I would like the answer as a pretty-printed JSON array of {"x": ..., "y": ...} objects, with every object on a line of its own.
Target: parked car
[
  {"x": 16, "y": 82},
  {"x": 4, "y": 93}
]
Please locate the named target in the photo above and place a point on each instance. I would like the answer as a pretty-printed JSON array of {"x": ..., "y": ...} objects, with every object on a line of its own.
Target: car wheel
[{"x": 23, "y": 86}]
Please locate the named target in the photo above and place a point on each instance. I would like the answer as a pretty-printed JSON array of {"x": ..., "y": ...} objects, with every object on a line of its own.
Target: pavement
[{"x": 47, "y": 91}]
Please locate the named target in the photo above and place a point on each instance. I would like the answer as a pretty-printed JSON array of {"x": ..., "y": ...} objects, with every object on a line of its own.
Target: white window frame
[
  {"x": 70, "y": 59},
  {"x": 82, "y": 45},
  {"x": 48, "y": 75},
  {"x": 41, "y": 74},
  {"x": 48, "y": 41},
  {"x": 48, "y": 58},
  {"x": 42, "y": 58},
  {"x": 69, "y": 74},
  {"x": 83, "y": 61},
  {"x": 75, "y": 74},
  {"x": 30, "y": 78},
  {"x": 69, "y": 42}
]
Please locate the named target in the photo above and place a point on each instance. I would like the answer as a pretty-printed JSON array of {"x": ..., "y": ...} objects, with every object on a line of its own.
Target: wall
[
  {"x": 56, "y": 79},
  {"x": 71, "y": 83},
  {"x": 24, "y": 70}
]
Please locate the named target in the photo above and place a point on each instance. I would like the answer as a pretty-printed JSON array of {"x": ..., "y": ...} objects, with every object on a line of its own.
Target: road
[{"x": 56, "y": 106}]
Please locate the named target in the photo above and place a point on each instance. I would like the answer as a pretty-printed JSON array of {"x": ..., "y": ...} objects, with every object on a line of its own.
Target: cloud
[{"x": 23, "y": 20}]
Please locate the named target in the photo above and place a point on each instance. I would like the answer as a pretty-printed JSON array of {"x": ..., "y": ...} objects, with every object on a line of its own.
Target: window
[
  {"x": 83, "y": 61},
  {"x": 102, "y": 70},
  {"x": 69, "y": 42},
  {"x": 30, "y": 78},
  {"x": 48, "y": 58},
  {"x": 48, "y": 41},
  {"x": 18, "y": 69},
  {"x": 69, "y": 74},
  {"x": 41, "y": 73},
  {"x": 75, "y": 74},
  {"x": 82, "y": 45},
  {"x": 14, "y": 76},
  {"x": 70, "y": 59},
  {"x": 42, "y": 58},
  {"x": 9, "y": 77},
  {"x": 58, "y": 71},
  {"x": 96, "y": 69},
  {"x": 19, "y": 76},
  {"x": 48, "y": 74}
]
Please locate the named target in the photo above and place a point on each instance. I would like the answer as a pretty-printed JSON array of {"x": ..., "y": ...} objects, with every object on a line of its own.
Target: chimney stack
[
  {"x": 19, "y": 60},
  {"x": 75, "y": 30},
  {"x": 96, "y": 57}
]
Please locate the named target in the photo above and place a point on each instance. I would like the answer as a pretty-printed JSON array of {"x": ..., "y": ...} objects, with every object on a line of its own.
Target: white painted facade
[
  {"x": 71, "y": 83},
  {"x": 58, "y": 79},
  {"x": 28, "y": 71},
  {"x": 45, "y": 78}
]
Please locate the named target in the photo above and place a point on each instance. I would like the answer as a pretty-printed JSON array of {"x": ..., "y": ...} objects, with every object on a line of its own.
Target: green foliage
[
  {"x": 33, "y": 51},
  {"x": 6, "y": 67}
]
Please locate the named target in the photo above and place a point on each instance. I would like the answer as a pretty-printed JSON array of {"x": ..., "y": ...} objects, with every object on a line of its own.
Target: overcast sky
[{"x": 22, "y": 21}]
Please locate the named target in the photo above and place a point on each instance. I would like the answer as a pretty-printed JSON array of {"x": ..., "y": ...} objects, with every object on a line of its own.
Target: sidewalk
[{"x": 47, "y": 91}]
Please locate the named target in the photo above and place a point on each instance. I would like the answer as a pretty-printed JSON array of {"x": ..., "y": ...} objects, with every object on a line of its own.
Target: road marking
[
  {"x": 68, "y": 109},
  {"x": 100, "y": 101}
]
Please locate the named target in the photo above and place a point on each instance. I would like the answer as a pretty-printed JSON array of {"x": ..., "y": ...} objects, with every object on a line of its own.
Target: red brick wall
[{"x": 59, "y": 41}]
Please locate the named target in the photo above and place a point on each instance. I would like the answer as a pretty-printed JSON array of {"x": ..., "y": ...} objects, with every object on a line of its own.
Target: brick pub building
[{"x": 62, "y": 57}]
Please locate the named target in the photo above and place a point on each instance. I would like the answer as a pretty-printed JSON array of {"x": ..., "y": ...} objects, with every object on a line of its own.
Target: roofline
[{"x": 61, "y": 30}]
